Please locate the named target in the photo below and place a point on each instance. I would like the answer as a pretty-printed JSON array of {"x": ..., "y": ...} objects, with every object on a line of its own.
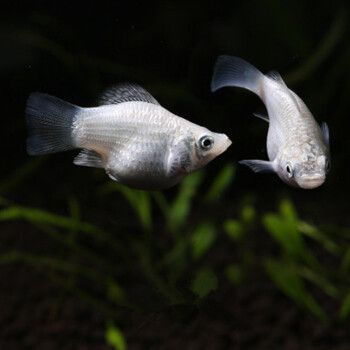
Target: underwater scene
[{"x": 174, "y": 175}]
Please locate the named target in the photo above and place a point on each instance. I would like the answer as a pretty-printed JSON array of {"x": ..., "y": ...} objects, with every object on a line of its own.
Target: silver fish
[
  {"x": 297, "y": 147},
  {"x": 138, "y": 142}
]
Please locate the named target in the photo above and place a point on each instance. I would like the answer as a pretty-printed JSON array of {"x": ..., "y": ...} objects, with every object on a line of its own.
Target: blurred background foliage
[{"x": 122, "y": 249}]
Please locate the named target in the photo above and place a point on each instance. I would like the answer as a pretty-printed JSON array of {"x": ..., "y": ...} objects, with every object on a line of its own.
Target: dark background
[{"x": 74, "y": 50}]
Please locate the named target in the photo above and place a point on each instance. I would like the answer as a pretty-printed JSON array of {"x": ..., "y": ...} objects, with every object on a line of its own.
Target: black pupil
[
  {"x": 206, "y": 143},
  {"x": 288, "y": 169}
]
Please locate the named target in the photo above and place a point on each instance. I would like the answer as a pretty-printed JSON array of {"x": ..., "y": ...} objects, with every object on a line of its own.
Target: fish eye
[
  {"x": 289, "y": 170},
  {"x": 206, "y": 142}
]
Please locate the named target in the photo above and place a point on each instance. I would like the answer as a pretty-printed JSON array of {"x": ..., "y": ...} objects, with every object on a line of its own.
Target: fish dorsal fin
[
  {"x": 274, "y": 75},
  {"x": 88, "y": 158},
  {"x": 126, "y": 92}
]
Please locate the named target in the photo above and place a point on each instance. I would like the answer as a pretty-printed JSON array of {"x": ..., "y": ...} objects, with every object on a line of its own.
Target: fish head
[
  {"x": 207, "y": 145},
  {"x": 307, "y": 172},
  {"x": 193, "y": 149}
]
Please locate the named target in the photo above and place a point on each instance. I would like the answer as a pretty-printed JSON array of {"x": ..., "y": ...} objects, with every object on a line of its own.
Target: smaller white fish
[
  {"x": 138, "y": 142},
  {"x": 297, "y": 147}
]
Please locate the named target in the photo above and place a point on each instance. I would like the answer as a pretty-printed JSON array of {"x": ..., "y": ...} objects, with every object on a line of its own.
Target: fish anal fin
[
  {"x": 126, "y": 92},
  {"x": 112, "y": 175},
  {"x": 258, "y": 166},
  {"x": 88, "y": 158}
]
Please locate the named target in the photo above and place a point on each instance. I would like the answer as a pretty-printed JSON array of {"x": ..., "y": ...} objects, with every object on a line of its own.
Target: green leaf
[
  {"x": 314, "y": 233},
  {"x": 286, "y": 277},
  {"x": 50, "y": 263},
  {"x": 220, "y": 183},
  {"x": 345, "y": 264},
  {"x": 150, "y": 271},
  {"x": 162, "y": 202},
  {"x": 74, "y": 213},
  {"x": 248, "y": 214},
  {"x": 345, "y": 308},
  {"x": 288, "y": 211},
  {"x": 202, "y": 239},
  {"x": 115, "y": 293},
  {"x": 318, "y": 279},
  {"x": 181, "y": 206},
  {"x": 234, "y": 229},
  {"x": 286, "y": 233},
  {"x": 204, "y": 282},
  {"x": 176, "y": 259},
  {"x": 234, "y": 274},
  {"x": 284, "y": 228},
  {"x": 140, "y": 201},
  {"x": 39, "y": 216},
  {"x": 115, "y": 337}
]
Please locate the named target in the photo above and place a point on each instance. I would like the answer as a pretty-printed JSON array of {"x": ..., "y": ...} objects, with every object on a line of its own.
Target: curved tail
[{"x": 234, "y": 71}]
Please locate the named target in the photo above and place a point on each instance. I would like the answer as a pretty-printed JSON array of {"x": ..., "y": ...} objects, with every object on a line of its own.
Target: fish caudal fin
[
  {"x": 234, "y": 71},
  {"x": 50, "y": 122}
]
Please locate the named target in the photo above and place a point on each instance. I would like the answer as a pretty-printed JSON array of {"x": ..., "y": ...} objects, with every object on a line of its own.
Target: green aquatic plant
[
  {"x": 191, "y": 241},
  {"x": 297, "y": 265},
  {"x": 204, "y": 282},
  {"x": 172, "y": 245},
  {"x": 140, "y": 201},
  {"x": 239, "y": 230},
  {"x": 114, "y": 337}
]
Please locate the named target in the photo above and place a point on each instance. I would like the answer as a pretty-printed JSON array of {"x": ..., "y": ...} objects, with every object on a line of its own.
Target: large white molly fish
[
  {"x": 138, "y": 142},
  {"x": 297, "y": 147}
]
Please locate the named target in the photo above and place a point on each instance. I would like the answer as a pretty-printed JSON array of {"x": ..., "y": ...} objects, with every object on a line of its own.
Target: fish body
[
  {"x": 138, "y": 142},
  {"x": 297, "y": 147}
]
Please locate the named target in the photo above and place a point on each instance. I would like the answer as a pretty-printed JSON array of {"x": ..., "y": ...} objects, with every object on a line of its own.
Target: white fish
[
  {"x": 138, "y": 142},
  {"x": 297, "y": 147}
]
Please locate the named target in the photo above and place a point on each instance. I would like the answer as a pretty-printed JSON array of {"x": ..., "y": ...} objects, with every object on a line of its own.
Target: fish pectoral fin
[
  {"x": 126, "y": 92},
  {"x": 179, "y": 161},
  {"x": 325, "y": 132},
  {"x": 259, "y": 166},
  {"x": 262, "y": 116},
  {"x": 112, "y": 176},
  {"x": 88, "y": 158},
  {"x": 176, "y": 169}
]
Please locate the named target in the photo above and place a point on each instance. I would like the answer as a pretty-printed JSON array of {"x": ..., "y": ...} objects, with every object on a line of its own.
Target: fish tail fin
[
  {"x": 50, "y": 124},
  {"x": 234, "y": 71}
]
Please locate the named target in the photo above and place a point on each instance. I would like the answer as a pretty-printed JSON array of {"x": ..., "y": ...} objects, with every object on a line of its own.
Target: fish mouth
[
  {"x": 224, "y": 144},
  {"x": 310, "y": 182}
]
